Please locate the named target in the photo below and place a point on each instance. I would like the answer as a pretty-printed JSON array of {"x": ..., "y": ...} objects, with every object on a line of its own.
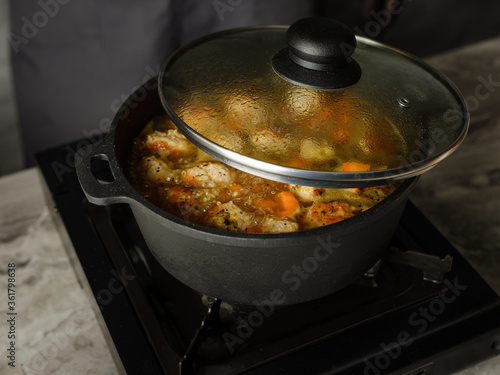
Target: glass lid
[{"x": 313, "y": 105}]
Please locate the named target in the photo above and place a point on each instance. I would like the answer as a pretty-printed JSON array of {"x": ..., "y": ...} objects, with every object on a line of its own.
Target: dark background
[
  {"x": 424, "y": 27},
  {"x": 421, "y": 27}
]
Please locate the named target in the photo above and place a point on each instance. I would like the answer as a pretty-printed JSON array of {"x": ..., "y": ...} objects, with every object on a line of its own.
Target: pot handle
[{"x": 100, "y": 177}]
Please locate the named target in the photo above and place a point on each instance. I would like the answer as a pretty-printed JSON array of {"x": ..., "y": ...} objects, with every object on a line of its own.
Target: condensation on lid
[{"x": 399, "y": 120}]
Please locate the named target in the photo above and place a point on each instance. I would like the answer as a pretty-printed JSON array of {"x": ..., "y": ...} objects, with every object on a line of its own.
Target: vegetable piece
[
  {"x": 266, "y": 205},
  {"x": 298, "y": 162},
  {"x": 253, "y": 230},
  {"x": 236, "y": 190},
  {"x": 235, "y": 187},
  {"x": 354, "y": 166},
  {"x": 287, "y": 203}
]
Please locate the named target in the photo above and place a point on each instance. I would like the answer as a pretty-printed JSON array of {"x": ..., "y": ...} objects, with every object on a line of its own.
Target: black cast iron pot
[{"x": 285, "y": 268}]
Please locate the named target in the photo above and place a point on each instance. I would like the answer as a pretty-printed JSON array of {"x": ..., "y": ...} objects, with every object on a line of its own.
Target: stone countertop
[
  {"x": 56, "y": 331},
  {"x": 461, "y": 196}
]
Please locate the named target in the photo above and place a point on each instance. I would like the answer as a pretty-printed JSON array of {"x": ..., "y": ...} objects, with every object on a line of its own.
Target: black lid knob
[{"x": 318, "y": 54}]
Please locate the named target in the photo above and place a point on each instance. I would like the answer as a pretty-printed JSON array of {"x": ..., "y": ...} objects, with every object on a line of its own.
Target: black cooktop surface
[{"x": 422, "y": 309}]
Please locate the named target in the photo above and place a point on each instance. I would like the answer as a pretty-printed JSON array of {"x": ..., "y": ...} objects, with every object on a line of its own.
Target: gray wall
[
  {"x": 10, "y": 143},
  {"x": 422, "y": 27}
]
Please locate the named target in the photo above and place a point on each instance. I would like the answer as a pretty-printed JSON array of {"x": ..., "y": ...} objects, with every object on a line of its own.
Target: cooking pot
[
  {"x": 285, "y": 268},
  {"x": 249, "y": 268}
]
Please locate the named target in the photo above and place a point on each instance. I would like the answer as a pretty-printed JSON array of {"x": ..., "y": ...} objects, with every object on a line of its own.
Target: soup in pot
[{"x": 172, "y": 173}]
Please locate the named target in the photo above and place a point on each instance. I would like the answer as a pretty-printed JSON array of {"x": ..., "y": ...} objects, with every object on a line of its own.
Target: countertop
[{"x": 56, "y": 331}]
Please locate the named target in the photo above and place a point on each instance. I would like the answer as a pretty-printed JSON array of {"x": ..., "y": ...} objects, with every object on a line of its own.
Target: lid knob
[{"x": 318, "y": 54}]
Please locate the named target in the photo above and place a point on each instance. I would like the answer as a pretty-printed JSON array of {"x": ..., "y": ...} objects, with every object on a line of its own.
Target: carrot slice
[
  {"x": 266, "y": 205},
  {"x": 287, "y": 202},
  {"x": 235, "y": 188},
  {"x": 253, "y": 230},
  {"x": 354, "y": 166},
  {"x": 298, "y": 162}
]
